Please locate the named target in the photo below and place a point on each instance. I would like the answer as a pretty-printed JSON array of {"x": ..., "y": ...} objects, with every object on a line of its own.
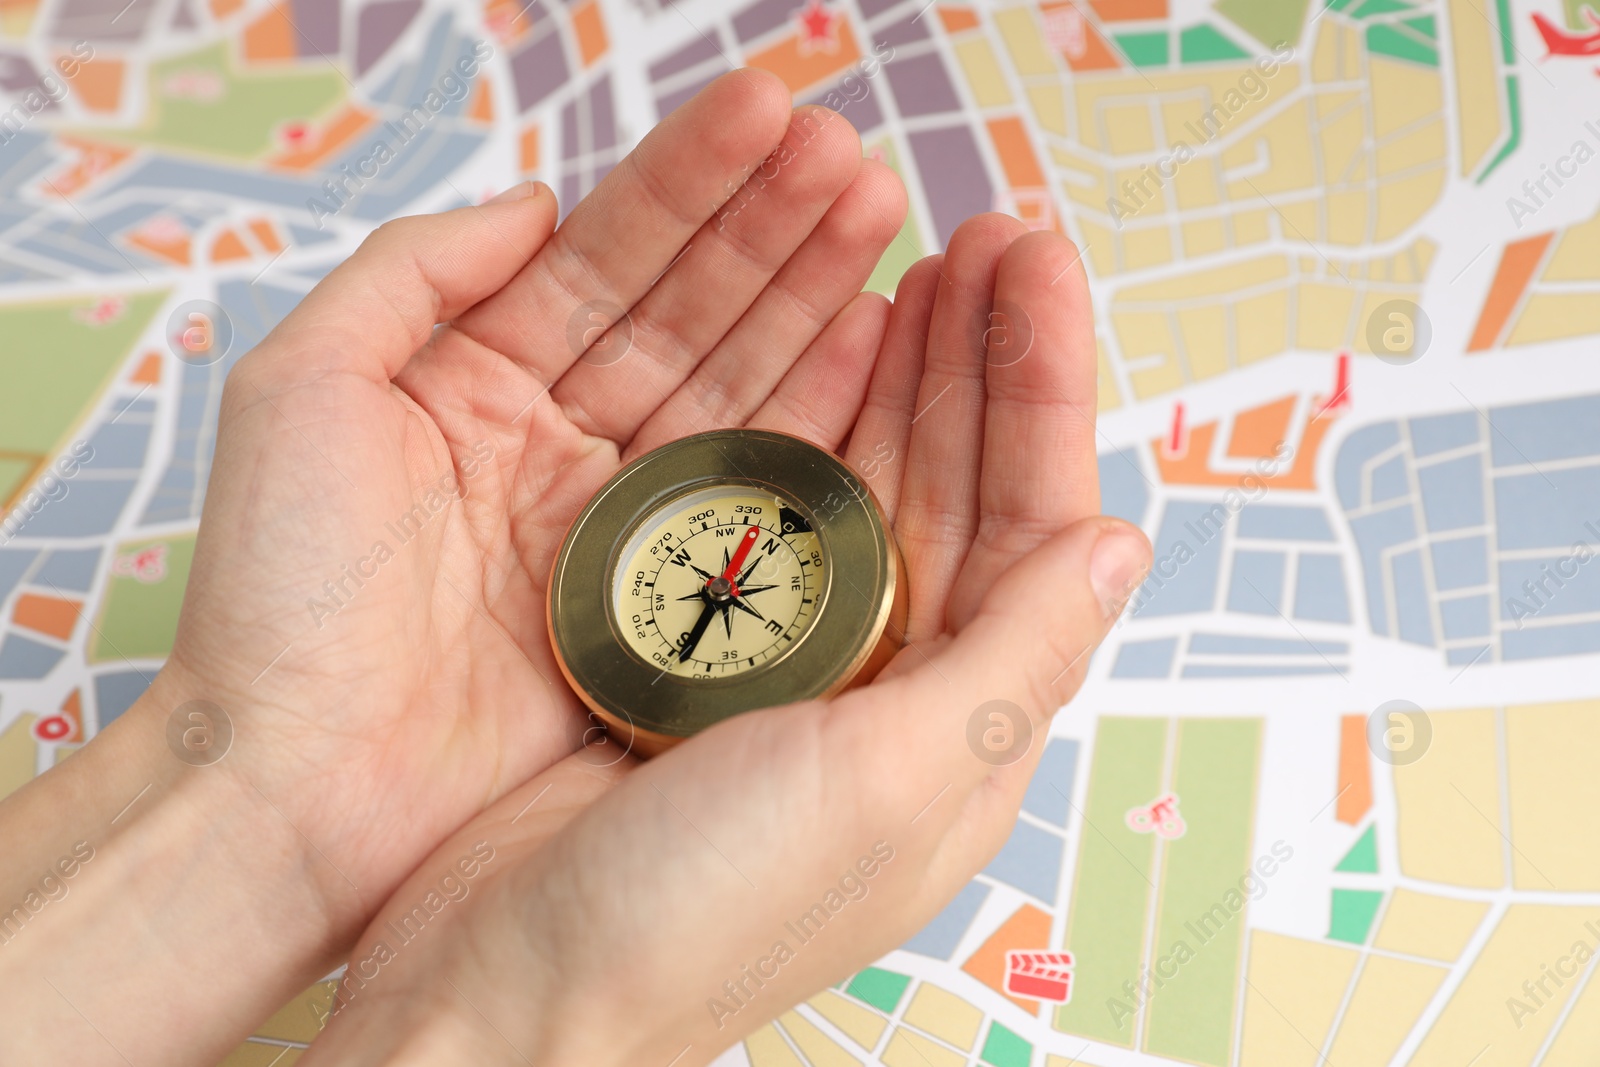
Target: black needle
[
  {"x": 698, "y": 632},
  {"x": 747, "y": 571}
]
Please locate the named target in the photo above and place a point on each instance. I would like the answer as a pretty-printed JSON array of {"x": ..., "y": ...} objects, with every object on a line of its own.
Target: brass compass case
[{"x": 846, "y": 581}]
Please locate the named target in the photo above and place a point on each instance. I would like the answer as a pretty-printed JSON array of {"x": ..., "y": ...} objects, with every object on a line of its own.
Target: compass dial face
[{"x": 719, "y": 582}]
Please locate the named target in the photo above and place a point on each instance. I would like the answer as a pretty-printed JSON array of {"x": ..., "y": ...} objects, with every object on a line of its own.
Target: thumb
[
  {"x": 374, "y": 310},
  {"x": 1025, "y": 652}
]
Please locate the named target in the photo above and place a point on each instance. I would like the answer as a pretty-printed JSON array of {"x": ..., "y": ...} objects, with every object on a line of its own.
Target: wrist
[{"x": 183, "y": 866}]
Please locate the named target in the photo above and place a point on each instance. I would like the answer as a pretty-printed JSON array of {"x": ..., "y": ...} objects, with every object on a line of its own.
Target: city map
[{"x": 1327, "y": 796}]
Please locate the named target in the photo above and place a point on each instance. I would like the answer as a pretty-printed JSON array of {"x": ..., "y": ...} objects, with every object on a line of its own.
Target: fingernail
[
  {"x": 520, "y": 191},
  {"x": 1116, "y": 567}
]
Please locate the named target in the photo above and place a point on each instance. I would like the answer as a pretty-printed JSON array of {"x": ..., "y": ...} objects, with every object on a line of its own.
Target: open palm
[{"x": 367, "y": 599}]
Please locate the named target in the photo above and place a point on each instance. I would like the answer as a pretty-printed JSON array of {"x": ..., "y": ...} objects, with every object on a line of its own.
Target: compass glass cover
[{"x": 718, "y": 582}]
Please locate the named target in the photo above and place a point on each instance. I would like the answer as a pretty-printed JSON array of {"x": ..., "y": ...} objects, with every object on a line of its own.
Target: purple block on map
[
  {"x": 379, "y": 27},
  {"x": 539, "y": 70},
  {"x": 17, "y": 75},
  {"x": 953, "y": 176},
  {"x": 571, "y": 142},
  {"x": 762, "y": 16},
  {"x": 183, "y": 18},
  {"x": 921, "y": 85},
  {"x": 572, "y": 191},
  {"x": 588, "y": 123},
  {"x": 869, "y": 8},
  {"x": 906, "y": 31},
  {"x": 318, "y": 23},
  {"x": 698, "y": 50},
  {"x": 863, "y": 113},
  {"x": 603, "y": 115},
  {"x": 667, "y": 104},
  {"x": 101, "y": 20}
]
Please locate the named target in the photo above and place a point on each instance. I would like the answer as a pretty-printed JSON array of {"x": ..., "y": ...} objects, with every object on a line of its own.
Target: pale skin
[{"x": 375, "y": 745}]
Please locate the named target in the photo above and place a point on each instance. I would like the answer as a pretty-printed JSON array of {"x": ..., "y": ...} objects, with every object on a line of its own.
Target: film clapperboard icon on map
[{"x": 1039, "y": 975}]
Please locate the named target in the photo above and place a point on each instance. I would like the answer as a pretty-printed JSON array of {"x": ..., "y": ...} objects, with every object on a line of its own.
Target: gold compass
[{"x": 724, "y": 572}]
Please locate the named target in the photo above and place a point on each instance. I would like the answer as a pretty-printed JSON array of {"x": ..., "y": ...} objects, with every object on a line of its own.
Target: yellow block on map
[
  {"x": 945, "y": 1016},
  {"x": 820, "y": 1049},
  {"x": 1449, "y": 826},
  {"x": 1421, "y": 924},
  {"x": 1575, "y": 1045},
  {"x": 19, "y": 755},
  {"x": 983, "y": 73},
  {"x": 863, "y": 1026},
  {"x": 1293, "y": 996},
  {"x": 1495, "y": 1019},
  {"x": 907, "y": 1048},
  {"x": 1477, "y": 82},
  {"x": 767, "y": 1048},
  {"x": 1555, "y": 796},
  {"x": 1388, "y": 1000}
]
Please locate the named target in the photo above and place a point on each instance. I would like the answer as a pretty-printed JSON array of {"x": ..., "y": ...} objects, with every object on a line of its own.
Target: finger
[
  {"x": 628, "y": 230},
  {"x": 822, "y": 394},
  {"x": 374, "y": 310},
  {"x": 939, "y": 502},
  {"x": 878, "y": 443},
  {"x": 723, "y": 270},
  {"x": 824, "y": 274},
  {"x": 1040, "y": 471},
  {"x": 1028, "y": 644}
]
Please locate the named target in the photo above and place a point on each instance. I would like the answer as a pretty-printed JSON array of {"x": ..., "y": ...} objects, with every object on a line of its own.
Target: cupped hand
[
  {"x": 625, "y": 913},
  {"x": 367, "y": 601}
]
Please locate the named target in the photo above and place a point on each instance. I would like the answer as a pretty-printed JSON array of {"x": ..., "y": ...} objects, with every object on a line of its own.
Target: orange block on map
[
  {"x": 1355, "y": 771},
  {"x": 510, "y": 20},
  {"x": 1071, "y": 34},
  {"x": 271, "y": 36},
  {"x": 94, "y": 159},
  {"x": 803, "y": 69},
  {"x": 334, "y": 135},
  {"x": 1517, "y": 265},
  {"x": 482, "y": 109},
  {"x": 265, "y": 234},
  {"x": 148, "y": 371},
  {"x": 1128, "y": 10},
  {"x": 47, "y": 614},
  {"x": 228, "y": 246},
  {"x": 165, "y": 239},
  {"x": 1016, "y": 152},
  {"x": 98, "y": 83},
  {"x": 958, "y": 19},
  {"x": 1257, "y": 434},
  {"x": 1028, "y": 928},
  {"x": 530, "y": 149},
  {"x": 1030, "y": 189},
  {"x": 590, "y": 28}
]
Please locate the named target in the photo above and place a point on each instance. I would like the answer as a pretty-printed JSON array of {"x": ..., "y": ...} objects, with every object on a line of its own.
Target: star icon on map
[{"x": 819, "y": 27}]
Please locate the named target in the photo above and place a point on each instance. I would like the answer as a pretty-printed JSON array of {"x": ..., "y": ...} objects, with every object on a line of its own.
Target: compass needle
[{"x": 631, "y": 609}]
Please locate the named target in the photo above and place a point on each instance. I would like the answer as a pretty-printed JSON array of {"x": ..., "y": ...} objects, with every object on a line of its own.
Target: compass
[{"x": 721, "y": 573}]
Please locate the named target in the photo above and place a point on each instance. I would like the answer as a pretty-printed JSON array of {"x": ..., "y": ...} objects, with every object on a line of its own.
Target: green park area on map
[{"x": 55, "y": 364}]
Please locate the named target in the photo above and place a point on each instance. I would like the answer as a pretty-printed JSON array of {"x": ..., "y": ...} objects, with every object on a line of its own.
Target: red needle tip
[{"x": 737, "y": 562}]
